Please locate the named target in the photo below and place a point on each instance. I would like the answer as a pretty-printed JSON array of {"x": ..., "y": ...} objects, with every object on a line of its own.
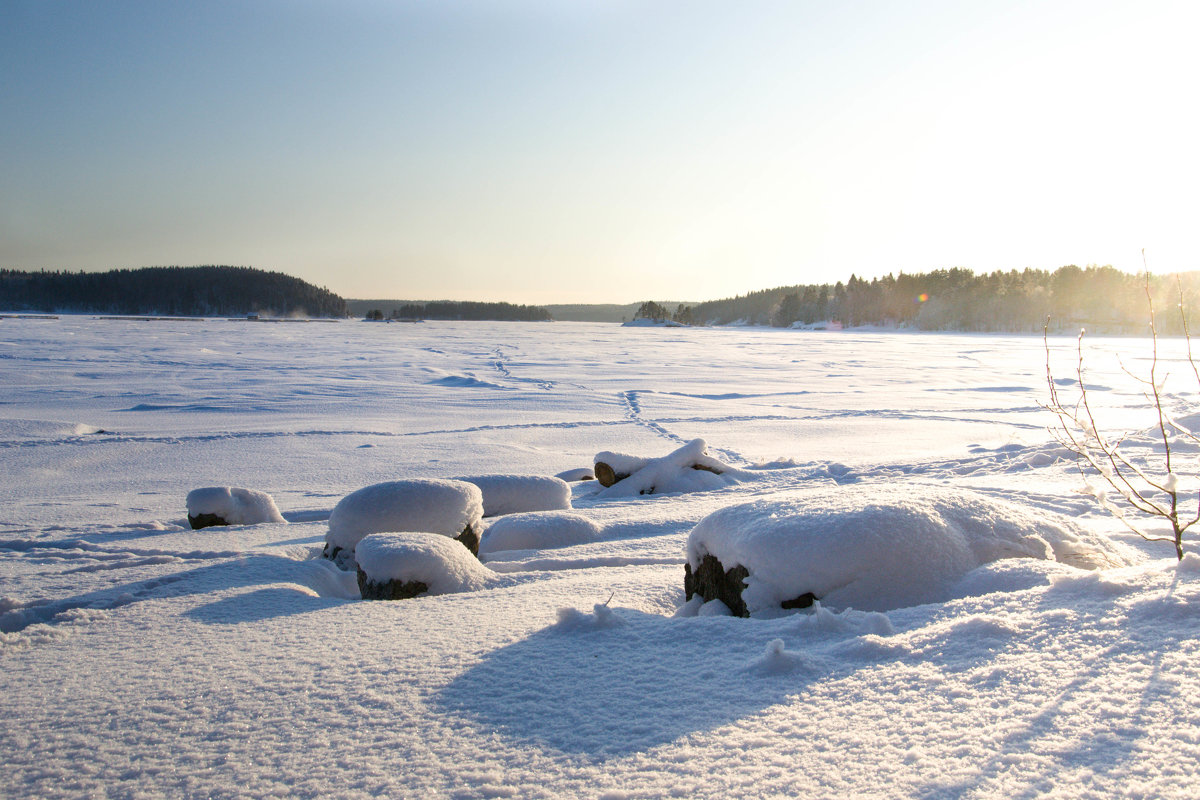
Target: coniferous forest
[
  {"x": 447, "y": 309},
  {"x": 1101, "y": 299},
  {"x": 168, "y": 291}
]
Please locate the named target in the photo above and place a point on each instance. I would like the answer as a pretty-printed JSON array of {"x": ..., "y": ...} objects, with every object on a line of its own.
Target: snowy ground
[{"x": 142, "y": 659}]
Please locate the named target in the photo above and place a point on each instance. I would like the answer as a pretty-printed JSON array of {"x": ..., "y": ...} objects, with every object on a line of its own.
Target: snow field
[{"x": 141, "y": 658}]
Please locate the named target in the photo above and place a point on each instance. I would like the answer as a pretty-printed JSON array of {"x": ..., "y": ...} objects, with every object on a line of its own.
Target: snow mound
[
  {"x": 602, "y": 618},
  {"x": 576, "y": 475},
  {"x": 431, "y": 505},
  {"x": 892, "y": 548},
  {"x": 688, "y": 469},
  {"x": 235, "y": 506},
  {"x": 513, "y": 494},
  {"x": 441, "y": 563},
  {"x": 776, "y": 660},
  {"x": 538, "y": 531}
]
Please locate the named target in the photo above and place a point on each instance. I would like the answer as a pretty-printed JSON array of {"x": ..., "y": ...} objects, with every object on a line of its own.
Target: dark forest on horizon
[{"x": 1102, "y": 299}]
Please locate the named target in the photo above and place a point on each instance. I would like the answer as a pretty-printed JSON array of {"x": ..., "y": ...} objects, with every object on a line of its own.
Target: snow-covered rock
[
  {"x": 445, "y": 507},
  {"x": 538, "y": 531},
  {"x": 513, "y": 494},
  {"x": 872, "y": 548},
  {"x": 228, "y": 505},
  {"x": 688, "y": 469},
  {"x": 394, "y": 566}
]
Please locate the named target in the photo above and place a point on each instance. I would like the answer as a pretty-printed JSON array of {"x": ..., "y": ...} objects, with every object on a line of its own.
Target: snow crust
[
  {"x": 443, "y": 564},
  {"x": 513, "y": 494},
  {"x": 431, "y": 505},
  {"x": 538, "y": 531},
  {"x": 235, "y": 506},
  {"x": 885, "y": 548}
]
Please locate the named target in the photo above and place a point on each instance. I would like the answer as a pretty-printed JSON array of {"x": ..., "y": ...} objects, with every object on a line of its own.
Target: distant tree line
[
  {"x": 168, "y": 291},
  {"x": 1102, "y": 299},
  {"x": 455, "y": 310}
]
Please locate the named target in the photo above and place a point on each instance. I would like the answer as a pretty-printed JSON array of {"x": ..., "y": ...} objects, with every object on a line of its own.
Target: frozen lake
[{"x": 143, "y": 658}]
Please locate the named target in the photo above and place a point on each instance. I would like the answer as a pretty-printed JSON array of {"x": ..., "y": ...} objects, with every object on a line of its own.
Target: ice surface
[
  {"x": 144, "y": 659},
  {"x": 235, "y": 506}
]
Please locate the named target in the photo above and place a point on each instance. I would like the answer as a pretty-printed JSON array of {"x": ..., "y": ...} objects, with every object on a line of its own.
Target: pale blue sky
[{"x": 598, "y": 151}]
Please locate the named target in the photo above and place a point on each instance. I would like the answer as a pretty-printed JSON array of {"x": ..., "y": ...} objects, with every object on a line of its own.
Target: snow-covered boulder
[
  {"x": 228, "y": 505},
  {"x": 448, "y": 508},
  {"x": 538, "y": 531},
  {"x": 395, "y": 566},
  {"x": 871, "y": 548},
  {"x": 688, "y": 469},
  {"x": 513, "y": 494}
]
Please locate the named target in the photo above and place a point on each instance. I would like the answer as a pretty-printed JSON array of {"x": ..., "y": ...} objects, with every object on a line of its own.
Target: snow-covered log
[
  {"x": 445, "y": 507},
  {"x": 870, "y": 548},
  {"x": 688, "y": 469},
  {"x": 227, "y": 505}
]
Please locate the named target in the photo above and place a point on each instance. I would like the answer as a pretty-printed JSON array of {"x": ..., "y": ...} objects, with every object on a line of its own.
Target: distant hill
[
  {"x": 168, "y": 291},
  {"x": 601, "y": 312},
  {"x": 447, "y": 309}
]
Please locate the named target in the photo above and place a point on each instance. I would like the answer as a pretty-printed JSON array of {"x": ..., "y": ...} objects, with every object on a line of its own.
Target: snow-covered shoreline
[{"x": 143, "y": 658}]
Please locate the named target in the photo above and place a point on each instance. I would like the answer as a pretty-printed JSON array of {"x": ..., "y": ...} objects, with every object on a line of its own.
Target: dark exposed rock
[
  {"x": 803, "y": 601},
  {"x": 388, "y": 590},
  {"x": 470, "y": 538},
  {"x": 713, "y": 582},
  {"x": 205, "y": 520}
]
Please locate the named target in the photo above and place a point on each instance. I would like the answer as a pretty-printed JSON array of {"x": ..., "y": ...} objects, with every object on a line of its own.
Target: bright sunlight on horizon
[{"x": 593, "y": 152}]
